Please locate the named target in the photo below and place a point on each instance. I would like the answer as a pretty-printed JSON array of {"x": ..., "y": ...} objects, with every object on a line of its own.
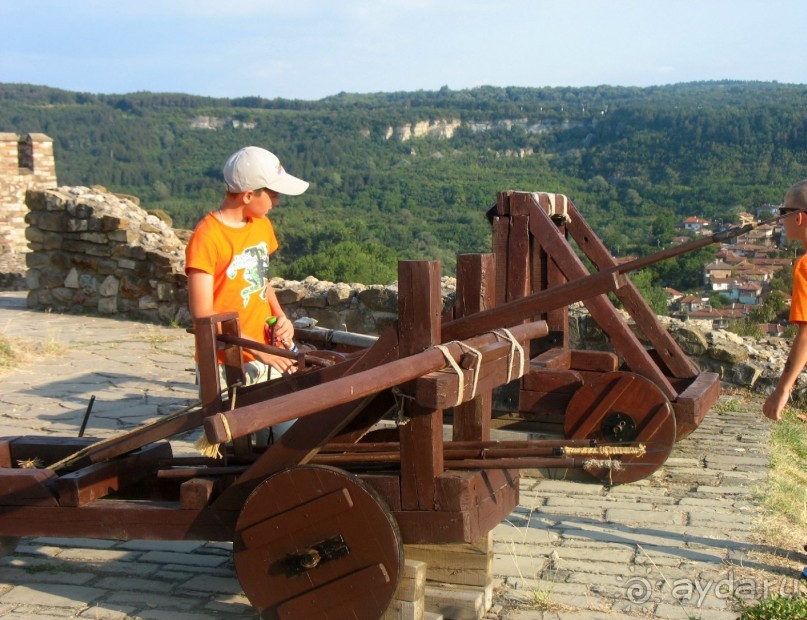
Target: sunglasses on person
[{"x": 786, "y": 211}]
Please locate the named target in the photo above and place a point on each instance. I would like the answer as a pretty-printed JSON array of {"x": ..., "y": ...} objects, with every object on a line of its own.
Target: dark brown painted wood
[{"x": 419, "y": 308}]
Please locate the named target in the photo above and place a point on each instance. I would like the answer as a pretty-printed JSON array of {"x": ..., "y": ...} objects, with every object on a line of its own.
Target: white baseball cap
[{"x": 252, "y": 168}]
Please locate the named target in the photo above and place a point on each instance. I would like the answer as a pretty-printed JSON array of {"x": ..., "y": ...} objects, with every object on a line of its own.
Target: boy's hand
[
  {"x": 775, "y": 404},
  {"x": 284, "y": 330},
  {"x": 281, "y": 364}
]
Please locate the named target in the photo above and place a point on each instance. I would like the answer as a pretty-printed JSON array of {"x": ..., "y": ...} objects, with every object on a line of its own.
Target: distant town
[{"x": 739, "y": 279}]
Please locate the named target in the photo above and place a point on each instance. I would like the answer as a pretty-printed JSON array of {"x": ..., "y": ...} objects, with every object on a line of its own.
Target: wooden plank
[
  {"x": 595, "y": 361},
  {"x": 118, "y": 520},
  {"x": 518, "y": 258},
  {"x": 388, "y": 487},
  {"x": 439, "y": 390},
  {"x": 476, "y": 291},
  {"x": 26, "y": 487},
  {"x": 550, "y": 380},
  {"x": 419, "y": 307},
  {"x": 551, "y": 276},
  {"x": 466, "y": 603},
  {"x": 196, "y": 493},
  {"x": 204, "y": 334},
  {"x": 406, "y": 610},
  {"x": 500, "y": 231},
  {"x": 436, "y": 526},
  {"x": 46, "y": 449},
  {"x": 101, "y": 479},
  {"x": 553, "y": 359},
  {"x": 5, "y": 452},
  {"x": 694, "y": 402},
  {"x": 457, "y": 563},
  {"x": 673, "y": 357},
  {"x": 317, "y": 603},
  {"x": 412, "y": 582}
]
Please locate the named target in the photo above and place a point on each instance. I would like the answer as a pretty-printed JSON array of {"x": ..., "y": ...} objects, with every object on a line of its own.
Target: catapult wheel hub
[
  {"x": 315, "y": 542},
  {"x": 617, "y": 409}
]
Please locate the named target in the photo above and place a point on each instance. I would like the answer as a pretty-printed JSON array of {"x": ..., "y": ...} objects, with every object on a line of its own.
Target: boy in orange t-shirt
[
  {"x": 227, "y": 257},
  {"x": 795, "y": 223}
]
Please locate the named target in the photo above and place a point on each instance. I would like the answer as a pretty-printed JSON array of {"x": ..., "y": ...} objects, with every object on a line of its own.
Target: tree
[{"x": 653, "y": 295}]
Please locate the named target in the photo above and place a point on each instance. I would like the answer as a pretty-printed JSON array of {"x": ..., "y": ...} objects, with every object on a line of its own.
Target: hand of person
[
  {"x": 284, "y": 329},
  {"x": 281, "y": 364},
  {"x": 775, "y": 404}
]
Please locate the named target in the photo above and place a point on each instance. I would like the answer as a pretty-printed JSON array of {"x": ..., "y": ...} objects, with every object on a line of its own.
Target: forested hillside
[{"x": 634, "y": 160}]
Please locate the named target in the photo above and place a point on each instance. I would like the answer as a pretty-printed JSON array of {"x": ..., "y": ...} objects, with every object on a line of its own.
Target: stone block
[{"x": 108, "y": 305}]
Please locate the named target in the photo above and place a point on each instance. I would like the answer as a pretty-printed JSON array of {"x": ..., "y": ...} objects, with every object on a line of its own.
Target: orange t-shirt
[
  {"x": 238, "y": 259},
  {"x": 798, "y": 303}
]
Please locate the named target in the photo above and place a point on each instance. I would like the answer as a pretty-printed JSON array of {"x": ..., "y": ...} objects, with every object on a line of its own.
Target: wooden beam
[
  {"x": 419, "y": 308},
  {"x": 81, "y": 487},
  {"x": 476, "y": 291}
]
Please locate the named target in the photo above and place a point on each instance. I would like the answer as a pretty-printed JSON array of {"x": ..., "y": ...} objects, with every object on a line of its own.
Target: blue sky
[{"x": 309, "y": 49}]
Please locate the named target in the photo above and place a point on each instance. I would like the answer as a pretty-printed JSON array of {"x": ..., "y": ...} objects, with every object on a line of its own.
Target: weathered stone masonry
[
  {"x": 94, "y": 251},
  {"x": 26, "y": 163}
]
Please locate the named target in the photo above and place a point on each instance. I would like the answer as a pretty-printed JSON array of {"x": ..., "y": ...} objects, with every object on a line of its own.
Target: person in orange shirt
[
  {"x": 795, "y": 224},
  {"x": 227, "y": 257}
]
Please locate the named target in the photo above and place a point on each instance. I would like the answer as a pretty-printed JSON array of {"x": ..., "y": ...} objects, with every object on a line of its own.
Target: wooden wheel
[
  {"x": 315, "y": 542},
  {"x": 623, "y": 408}
]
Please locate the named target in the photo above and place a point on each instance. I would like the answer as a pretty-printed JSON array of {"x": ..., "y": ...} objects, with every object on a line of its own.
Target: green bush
[{"x": 777, "y": 607}]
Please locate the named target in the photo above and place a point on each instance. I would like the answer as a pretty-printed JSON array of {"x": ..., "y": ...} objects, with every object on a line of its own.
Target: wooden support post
[
  {"x": 547, "y": 274},
  {"x": 205, "y": 331},
  {"x": 419, "y": 309},
  {"x": 475, "y": 292},
  {"x": 500, "y": 224}
]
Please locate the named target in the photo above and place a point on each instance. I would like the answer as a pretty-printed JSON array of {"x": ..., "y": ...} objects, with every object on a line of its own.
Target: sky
[{"x": 310, "y": 49}]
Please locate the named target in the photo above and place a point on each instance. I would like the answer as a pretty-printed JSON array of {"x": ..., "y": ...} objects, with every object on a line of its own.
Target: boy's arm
[
  {"x": 200, "y": 293},
  {"x": 284, "y": 329},
  {"x": 796, "y": 360}
]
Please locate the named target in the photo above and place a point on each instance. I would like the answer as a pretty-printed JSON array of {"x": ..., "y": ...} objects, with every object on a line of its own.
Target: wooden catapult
[{"x": 318, "y": 518}]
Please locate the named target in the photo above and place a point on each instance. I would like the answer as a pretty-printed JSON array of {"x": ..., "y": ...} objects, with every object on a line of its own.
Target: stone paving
[{"x": 679, "y": 544}]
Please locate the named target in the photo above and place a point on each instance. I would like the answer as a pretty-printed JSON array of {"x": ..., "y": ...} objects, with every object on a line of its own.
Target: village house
[
  {"x": 691, "y": 303},
  {"x": 716, "y": 270},
  {"x": 746, "y": 293},
  {"x": 696, "y": 225}
]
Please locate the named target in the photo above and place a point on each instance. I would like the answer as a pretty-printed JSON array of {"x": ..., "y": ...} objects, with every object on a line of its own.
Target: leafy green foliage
[
  {"x": 636, "y": 161},
  {"x": 776, "y": 607}
]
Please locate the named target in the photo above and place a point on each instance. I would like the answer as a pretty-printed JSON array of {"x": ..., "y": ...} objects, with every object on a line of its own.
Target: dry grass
[{"x": 15, "y": 352}]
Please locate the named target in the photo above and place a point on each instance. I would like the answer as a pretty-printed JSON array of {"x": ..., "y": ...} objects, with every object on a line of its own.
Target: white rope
[
  {"x": 460, "y": 379},
  {"x": 515, "y": 347},
  {"x": 558, "y": 205},
  {"x": 477, "y": 367}
]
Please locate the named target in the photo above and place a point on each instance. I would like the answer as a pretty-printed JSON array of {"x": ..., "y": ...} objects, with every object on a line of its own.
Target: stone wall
[
  {"x": 92, "y": 251},
  {"x": 755, "y": 364},
  {"x": 26, "y": 163}
]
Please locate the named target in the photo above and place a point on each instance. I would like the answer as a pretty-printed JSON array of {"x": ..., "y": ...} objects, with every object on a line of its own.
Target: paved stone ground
[{"x": 677, "y": 545}]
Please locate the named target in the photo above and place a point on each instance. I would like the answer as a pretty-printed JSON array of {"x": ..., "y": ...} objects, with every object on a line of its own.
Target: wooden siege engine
[{"x": 318, "y": 518}]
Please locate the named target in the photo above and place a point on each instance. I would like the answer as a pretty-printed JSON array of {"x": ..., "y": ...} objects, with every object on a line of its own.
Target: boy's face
[
  {"x": 259, "y": 203},
  {"x": 794, "y": 224}
]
